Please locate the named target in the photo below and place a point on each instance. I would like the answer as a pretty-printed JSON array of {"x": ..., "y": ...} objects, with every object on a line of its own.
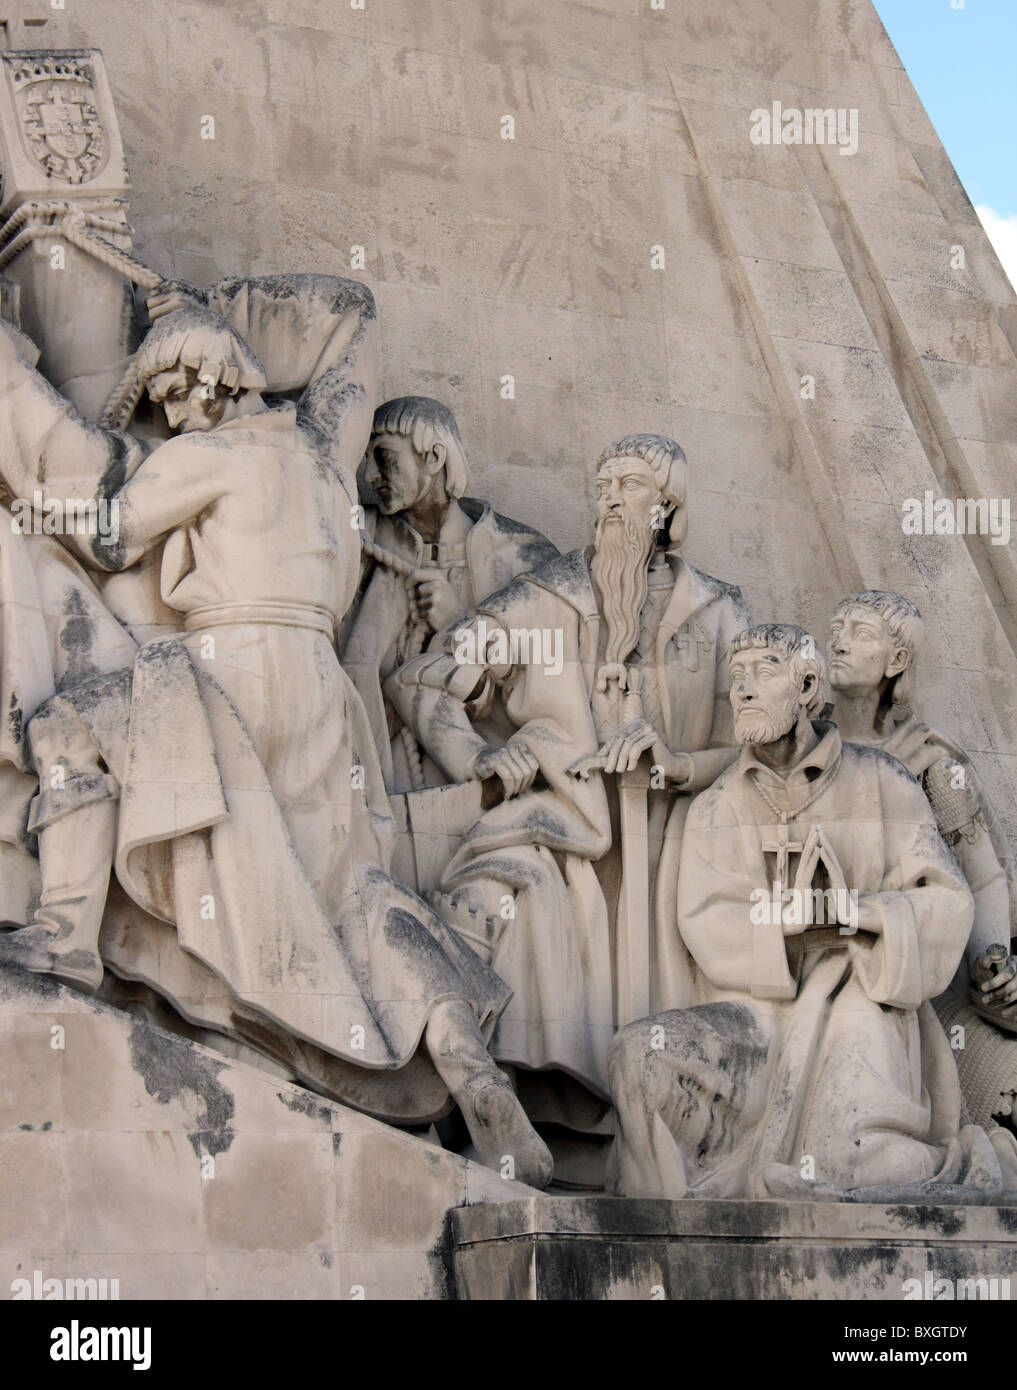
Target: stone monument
[{"x": 468, "y": 871}]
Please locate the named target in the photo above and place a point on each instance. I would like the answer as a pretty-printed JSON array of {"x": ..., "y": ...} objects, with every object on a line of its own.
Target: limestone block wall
[
  {"x": 539, "y": 258},
  {"x": 129, "y": 1153}
]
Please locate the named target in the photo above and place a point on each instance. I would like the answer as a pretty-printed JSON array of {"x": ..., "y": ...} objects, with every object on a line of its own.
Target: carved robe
[
  {"x": 812, "y": 1066},
  {"x": 253, "y": 817},
  {"x": 480, "y": 552},
  {"x": 64, "y": 617},
  {"x": 546, "y": 851}
]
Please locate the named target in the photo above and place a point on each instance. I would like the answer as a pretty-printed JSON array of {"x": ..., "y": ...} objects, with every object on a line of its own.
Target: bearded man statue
[{"x": 823, "y": 913}]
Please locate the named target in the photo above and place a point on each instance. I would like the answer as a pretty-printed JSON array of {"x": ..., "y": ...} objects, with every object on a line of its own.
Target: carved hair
[
  {"x": 190, "y": 337},
  {"x": 670, "y": 469},
  {"x": 800, "y": 651},
  {"x": 426, "y": 422},
  {"x": 904, "y": 624}
]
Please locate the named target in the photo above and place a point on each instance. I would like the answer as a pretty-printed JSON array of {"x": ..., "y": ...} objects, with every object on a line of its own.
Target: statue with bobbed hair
[
  {"x": 874, "y": 649},
  {"x": 452, "y": 551}
]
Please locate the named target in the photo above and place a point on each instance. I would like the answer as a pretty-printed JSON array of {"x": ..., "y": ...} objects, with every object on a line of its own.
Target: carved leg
[
  {"x": 75, "y": 854},
  {"x": 74, "y": 816},
  {"x": 497, "y": 1122}
]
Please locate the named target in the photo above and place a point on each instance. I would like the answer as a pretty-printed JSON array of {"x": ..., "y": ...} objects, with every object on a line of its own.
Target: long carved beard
[
  {"x": 766, "y": 726},
  {"x": 620, "y": 575}
]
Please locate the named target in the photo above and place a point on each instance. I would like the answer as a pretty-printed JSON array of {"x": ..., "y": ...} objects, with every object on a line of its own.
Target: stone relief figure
[
  {"x": 230, "y": 774},
  {"x": 55, "y": 631},
  {"x": 459, "y": 551},
  {"x": 430, "y": 555},
  {"x": 875, "y": 641},
  {"x": 823, "y": 912},
  {"x": 606, "y": 658}
]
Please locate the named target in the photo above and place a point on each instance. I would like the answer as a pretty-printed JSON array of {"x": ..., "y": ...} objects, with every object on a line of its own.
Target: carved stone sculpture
[
  {"x": 244, "y": 731},
  {"x": 606, "y": 657},
  {"x": 823, "y": 912},
  {"x": 875, "y": 641},
  {"x": 458, "y": 550}
]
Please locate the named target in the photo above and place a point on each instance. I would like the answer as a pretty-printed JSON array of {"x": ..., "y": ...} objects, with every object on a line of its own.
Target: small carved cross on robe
[
  {"x": 777, "y": 842},
  {"x": 690, "y": 641}
]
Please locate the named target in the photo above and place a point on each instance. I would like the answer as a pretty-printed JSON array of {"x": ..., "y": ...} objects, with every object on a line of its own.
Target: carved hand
[
  {"x": 172, "y": 295},
  {"x": 801, "y": 890},
  {"x": 995, "y": 974},
  {"x": 677, "y": 767},
  {"x": 622, "y": 751},
  {"x": 433, "y": 599},
  {"x": 513, "y": 763}
]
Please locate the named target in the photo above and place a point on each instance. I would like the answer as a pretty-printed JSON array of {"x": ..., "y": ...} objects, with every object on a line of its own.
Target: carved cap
[{"x": 190, "y": 337}]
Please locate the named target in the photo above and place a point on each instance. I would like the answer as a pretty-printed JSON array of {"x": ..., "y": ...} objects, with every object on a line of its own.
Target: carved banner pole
[
  {"x": 64, "y": 182},
  {"x": 632, "y": 930}
]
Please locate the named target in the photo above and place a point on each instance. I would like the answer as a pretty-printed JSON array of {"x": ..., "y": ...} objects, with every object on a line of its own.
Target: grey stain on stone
[
  {"x": 303, "y": 1103},
  {"x": 169, "y": 1070}
]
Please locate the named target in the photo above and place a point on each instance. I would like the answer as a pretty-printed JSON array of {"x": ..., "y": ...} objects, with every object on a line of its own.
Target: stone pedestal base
[
  {"x": 137, "y": 1161},
  {"x": 612, "y": 1248}
]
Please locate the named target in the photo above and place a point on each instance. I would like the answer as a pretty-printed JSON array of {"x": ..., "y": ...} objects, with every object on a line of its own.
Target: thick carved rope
[{"x": 33, "y": 221}]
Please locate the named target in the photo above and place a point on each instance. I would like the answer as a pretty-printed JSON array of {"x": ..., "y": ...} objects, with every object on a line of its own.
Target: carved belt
[{"x": 308, "y": 615}]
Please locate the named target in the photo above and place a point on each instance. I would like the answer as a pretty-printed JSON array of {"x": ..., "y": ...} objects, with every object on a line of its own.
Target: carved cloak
[
  {"x": 819, "y": 1071},
  {"x": 541, "y": 847}
]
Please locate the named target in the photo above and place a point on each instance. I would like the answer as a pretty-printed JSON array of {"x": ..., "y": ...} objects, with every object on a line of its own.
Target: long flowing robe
[
  {"x": 547, "y": 850},
  {"x": 253, "y": 815},
  {"x": 812, "y": 1066},
  {"x": 64, "y": 619}
]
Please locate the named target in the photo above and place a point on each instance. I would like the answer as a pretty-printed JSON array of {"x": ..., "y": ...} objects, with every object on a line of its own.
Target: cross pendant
[{"x": 783, "y": 847}]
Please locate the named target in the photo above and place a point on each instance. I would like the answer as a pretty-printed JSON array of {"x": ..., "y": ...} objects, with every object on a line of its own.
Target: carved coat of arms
[{"x": 59, "y": 120}]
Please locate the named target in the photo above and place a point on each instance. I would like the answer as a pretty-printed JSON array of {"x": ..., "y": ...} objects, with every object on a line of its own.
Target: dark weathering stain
[
  {"x": 305, "y": 1104},
  {"x": 109, "y": 555},
  {"x": 16, "y": 720},
  {"x": 945, "y": 1221},
  {"x": 77, "y": 634},
  {"x": 168, "y": 1070}
]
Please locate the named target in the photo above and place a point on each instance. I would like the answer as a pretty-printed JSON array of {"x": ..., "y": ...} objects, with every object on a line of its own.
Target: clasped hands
[{"x": 850, "y": 912}]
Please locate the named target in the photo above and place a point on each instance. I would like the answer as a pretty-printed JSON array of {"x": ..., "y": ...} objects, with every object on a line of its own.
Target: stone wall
[
  {"x": 534, "y": 258},
  {"x": 131, "y": 1154}
]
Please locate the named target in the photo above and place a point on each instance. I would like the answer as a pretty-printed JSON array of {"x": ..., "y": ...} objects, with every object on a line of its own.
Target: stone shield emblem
[{"x": 60, "y": 124}]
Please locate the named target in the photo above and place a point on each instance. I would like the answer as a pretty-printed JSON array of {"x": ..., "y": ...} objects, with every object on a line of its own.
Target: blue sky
[{"x": 963, "y": 64}]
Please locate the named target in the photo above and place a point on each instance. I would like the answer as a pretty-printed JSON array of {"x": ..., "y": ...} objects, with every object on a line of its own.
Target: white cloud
[{"x": 1002, "y": 232}]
